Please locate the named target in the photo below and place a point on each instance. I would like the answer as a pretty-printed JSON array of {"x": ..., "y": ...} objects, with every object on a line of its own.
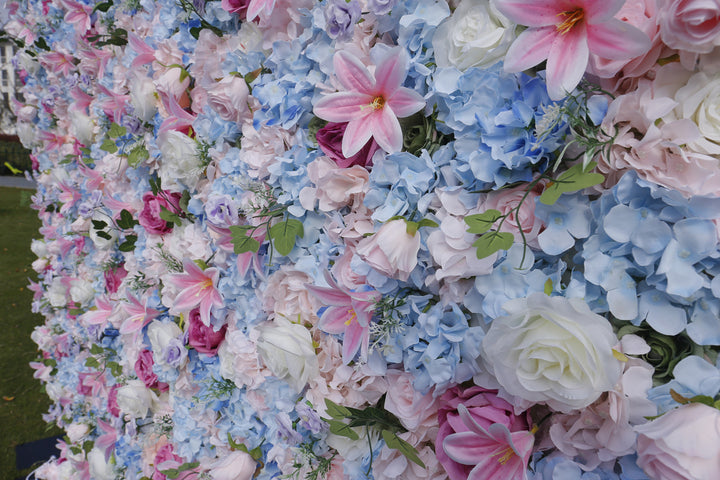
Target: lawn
[{"x": 22, "y": 398}]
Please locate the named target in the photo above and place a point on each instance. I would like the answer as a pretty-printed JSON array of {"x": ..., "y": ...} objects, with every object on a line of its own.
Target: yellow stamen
[
  {"x": 507, "y": 455},
  {"x": 378, "y": 103},
  {"x": 571, "y": 17},
  {"x": 204, "y": 285},
  {"x": 353, "y": 316}
]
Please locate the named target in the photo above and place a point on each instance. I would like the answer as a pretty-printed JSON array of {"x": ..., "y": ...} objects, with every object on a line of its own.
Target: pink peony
[
  {"x": 149, "y": 217},
  {"x": 417, "y": 412},
  {"x": 683, "y": 443},
  {"x": 204, "y": 338},
  {"x": 506, "y": 200},
  {"x": 330, "y": 140},
  {"x": 474, "y": 410},
  {"x": 236, "y": 6}
]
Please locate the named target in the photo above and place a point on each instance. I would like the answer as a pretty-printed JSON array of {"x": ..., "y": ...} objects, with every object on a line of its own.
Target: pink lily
[
  {"x": 139, "y": 315},
  {"x": 348, "y": 313},
  {"x": 198, "y": 288},
  {"x": 100, "y": 314},
  {"x": 257, "y": 6},
  {"x": 78, "y": 14},
  {"x": 81, "y": 100},
  {"x": 496, "y": 452},
  {"x": 107, "y": 440},
  {"x": 179, "y": 119},
  {"x": 565, "y": 32},
  {"x": 145, "y": 53},
  {"x": 371, "y": 104},
  {"x": 58, "y": 62}
]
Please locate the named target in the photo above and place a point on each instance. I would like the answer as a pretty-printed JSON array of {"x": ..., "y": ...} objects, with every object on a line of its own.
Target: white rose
[
  {"x": 82, "y": 127},
  {"x": 26, "y": 133},
  {"x": 287, "y": 349},
  {"x": 475, "y": 35},
  {"x": 233, "y": 466},
  {"x": 160, "y": 335},
  {"x": 179, "y": 160},
  {"x": 99, "y": 468},
  {"x": 100, "y": 242},
  {"x": 142, "y": 97},
  {"x": 551, "y": 350},
  {"x": 76, "y": 432},
  {"x": 134, "y": 399},
  {"x": 82, "y": 291},
  {"x": 56, "y": 293},
  {"x": 699, "y": 100},
  {"x": 39, "y": 248}
]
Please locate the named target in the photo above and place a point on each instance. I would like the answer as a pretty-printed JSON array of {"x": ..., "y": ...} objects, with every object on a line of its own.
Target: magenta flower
[
  {"x": 348, "y": 313},
  {"x": 371, "y": 104},
  {"x": 495, "y": 452},
  {"x": 198, "y": 288},
  {"x": 565, "y": 32}
]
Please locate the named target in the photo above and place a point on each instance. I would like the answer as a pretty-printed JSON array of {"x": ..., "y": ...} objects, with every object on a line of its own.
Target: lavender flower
[{"x": 341, "y": 16}]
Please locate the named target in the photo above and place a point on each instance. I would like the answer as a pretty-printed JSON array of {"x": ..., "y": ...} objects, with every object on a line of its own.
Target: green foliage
[
  {"x": 284, "y": 235},
  {"x": 573, "y": 179},
  {"x": 482, "y": 222},
  {"x": 174, "y": 473},
  {"x": 138, "y": 155},
  {"x": 493, "y": 241}
]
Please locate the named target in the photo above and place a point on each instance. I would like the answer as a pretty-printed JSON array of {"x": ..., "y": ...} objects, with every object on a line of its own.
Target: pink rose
[
  {"x": 114, "y": 277},
  {"x": 144, "y": 370},
  {"x": 336, "y": 187},
  {"x": 392, "y": 250},
  {"x": 683, "y": 443},
  {"x": 229, "y": 98},
  {"x": 165, "y": 460},
  {"x": 330, "y": 140},
  {"x": 235, "y": 6},
  {"x": 112, "y": 404},
  {"x": 486, "y": 409},
  {"x": 204, "y": 338},
  {"x": 149, "y": 217},
  {"x": 236, "y": 465},
  {"x": 413, "y": 409},
  {"x": 506, "y": 200},
  {"x": 690, "y": 25}
]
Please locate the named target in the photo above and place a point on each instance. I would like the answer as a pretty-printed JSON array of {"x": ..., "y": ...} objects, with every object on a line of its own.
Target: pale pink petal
[
  {"x": 405, "y": 102},
  {"x": 333, "y": 320},
  {"x": 596, "y": 12},
  {"x": 329, "y": 296},
  {"x": 343, "y": 106},
  {"x": 357, "y": 133},
  {"x": 530, "y": 48},
  {"x": 353, "y": 74},
  {"x": 256, "y": 6},
  {"x": 386, "y": 130},
  {"x": 467, "y": 447},
  {"x": 391, "y": 71},
  {"x": 533, "y": 13},
  {"x": 352, "y": 339},
  {"x": 617, "y": 40},
  {"x": 567, "y": 62}
]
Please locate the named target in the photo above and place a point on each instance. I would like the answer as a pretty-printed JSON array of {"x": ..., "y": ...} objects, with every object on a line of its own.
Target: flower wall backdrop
[{"x": 376, "y": 239}]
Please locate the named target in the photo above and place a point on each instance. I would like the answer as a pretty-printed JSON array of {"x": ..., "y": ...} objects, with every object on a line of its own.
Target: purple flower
[
  {"x": 341, "y": 16},
  {"x": 380, "y": 7}
]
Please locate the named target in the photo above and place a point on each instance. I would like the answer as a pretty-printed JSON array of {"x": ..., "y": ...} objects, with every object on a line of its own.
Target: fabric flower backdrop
[{"x": 375, "y": 239}]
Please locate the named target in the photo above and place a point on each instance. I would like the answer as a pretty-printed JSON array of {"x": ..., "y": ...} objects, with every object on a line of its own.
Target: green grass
[{"x": 22, "y": 398}]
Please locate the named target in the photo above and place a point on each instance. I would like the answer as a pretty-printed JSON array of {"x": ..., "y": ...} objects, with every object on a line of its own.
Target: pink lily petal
[
  {"x": 353, "y": 74},
  {"x": 354, "y": 337},
  {"x": 617, "y": 40},
  {"x": 530, "y": 48},
  {"x": 386, "y": 130},
  {"x": 329, "y": 296},
  {"x": 601, "y": 11},
  {"x": 533, "y": 13},
  {"x": 405, "y": 102},
  {"x": 256, "y": 6},
  {"x": 357, "y": 133},
  {"x": 391, "y": 72},
  {"x": 467, "y": 447},
  {"x": 567, "y": 61},
  {"x": 343, "y": 106},
  {"x": 334, "y": 320}
]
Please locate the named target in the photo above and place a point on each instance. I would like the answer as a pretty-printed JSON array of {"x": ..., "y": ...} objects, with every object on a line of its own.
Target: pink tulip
[
  {"x": 565, "y": 32},
  {"x": 371, "y": 104}
]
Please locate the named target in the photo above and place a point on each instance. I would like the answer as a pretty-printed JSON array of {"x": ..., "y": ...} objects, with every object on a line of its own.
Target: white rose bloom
[
  {"x": 160, "y": 334},
  {"x": 551, "y": 350},
  {"x": 82, "y": 291},
  {"x": 82, "y": 127},
  {"x": 699, "y": 100},
  {"x": 142, "y": 97},
  {"x": 179, "y": 160},
  {"x": 99, "y": 468},
  {"x": 56, "y": 293},
  {"x": 135, "y": 399},
  {"x": 475, "y": 35},
  {"x": 287, "y": 349}
]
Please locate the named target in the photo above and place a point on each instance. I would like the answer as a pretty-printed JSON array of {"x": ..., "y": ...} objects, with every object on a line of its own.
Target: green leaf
[
  {"x": 116, "y": 131},
  {"x": 92, "y": 362},
  {"x": 679, "y": 398},
  {"x": 339, "y": 428},
  {"x": 109, "y": 146},
  {"x": 102, "y": 7},
  {"x": 103, "y": 235},
  {"x": 115, "y": 368},
  {"x": 397, "y": 443},
  {"x": 243, "y": 243},
  {"x": 704, "y": 399},
  {"x": 336, "y": 411},
  {"x": 129, "y": 244},
  {"x": 236, "y": 446},
  {"x": 426, "y": 222},
  {"x": 284, "y": 234},
  {"x": 99, "y": 224},
  {"x": 482, "y": 222},
  {"x": 184, "y": 201},
  {"x": 155, "y": 185},
  {"x": 491, "y": 242},
  {"x": 548, "y": 287},
  {"x": 96, "y": 349},
  {"x": 573, "y": 179},
  {"x": 170, "y": 217},
  {"x": 126, "y": 220},
  {"x": 138, "y": 155},
  {"x": 88, "y": 445}
]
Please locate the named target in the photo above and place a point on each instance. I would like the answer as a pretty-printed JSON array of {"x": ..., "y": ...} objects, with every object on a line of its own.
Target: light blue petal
[
  {"x": 660, "y": 314},
  {"x": 623, "y": 303},
  {"x": 620, "y": 222},
  {"x": 652, "y": 235},
  {"x": 698, "y": 375}
]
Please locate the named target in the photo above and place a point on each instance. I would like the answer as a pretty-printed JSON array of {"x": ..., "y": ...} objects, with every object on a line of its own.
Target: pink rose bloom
[
  {"x": 149, "y": 217},
  {"x": 690, "y": 25},
  {"x": 414, "y": 410},
  {"x": 330, "y": 140},
  {"x": 114, "y": 277},
  {"x": 287, "y": 296},
  {"x": 391, "y": 250},
  {"x": 236, "y": 6},
  {"x": 143, "y": 369},
  {"x": 236, "y": 465},
  {"x": 229, "y": 98},
  {"x": 204, "y": 338},
  {"x": 112, "y": 404},
  {"x": 165, "y": 460},
  {"x": 682, "y": 444},
  {"x": 336, "y": 187},
  {"x": 487, "y": 411},
  {"x": 505, "y": 201}
]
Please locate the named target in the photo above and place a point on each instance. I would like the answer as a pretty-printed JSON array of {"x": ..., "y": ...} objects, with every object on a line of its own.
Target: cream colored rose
[
  {"x": 475, "y": 35},
  {"x": 135, "y": 399},
  {"x": 699, "y": 100},
  {"x": 551, "y": 350},
  {"x": 179, "y": 160},
  {"x": 287, "y": 349}
]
